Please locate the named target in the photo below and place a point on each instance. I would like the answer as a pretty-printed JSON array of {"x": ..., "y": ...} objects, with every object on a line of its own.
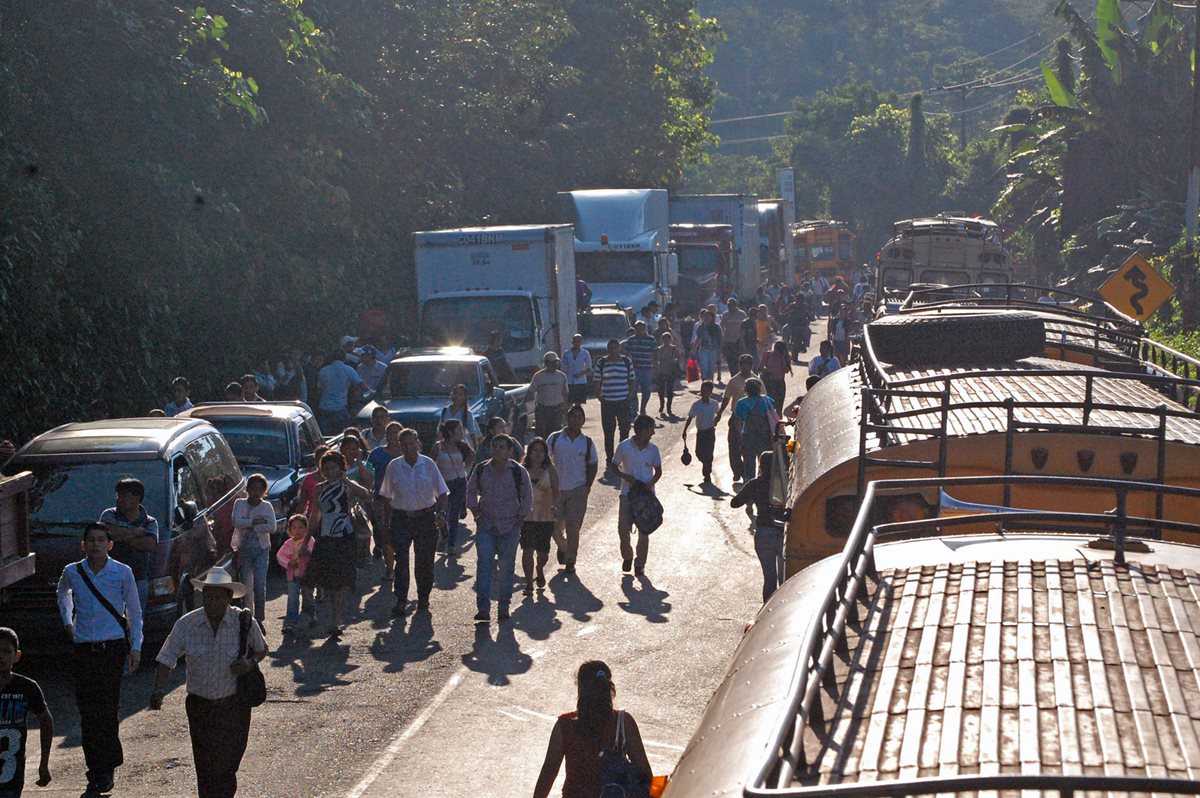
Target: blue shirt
[
  {"x": 173, "y": 409},
  {"x": 136, "y": 559},
  {"x": 378, "y": 460},
  {"x": 335, "y": 381},
  {"x": 93, "y": 623}
]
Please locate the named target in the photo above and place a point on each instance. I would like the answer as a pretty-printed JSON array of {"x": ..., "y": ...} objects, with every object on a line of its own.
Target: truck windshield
[
  {"x": 67, "y": 496},
  {"x": 615, "y": 267},
  {"x": 603, "y": 325},
  {"x": 431, "y": 378},
  {"x": 470, "y": 321},
  {"x": 255, "y": 441},
  {"x": 699, "y": 260}
]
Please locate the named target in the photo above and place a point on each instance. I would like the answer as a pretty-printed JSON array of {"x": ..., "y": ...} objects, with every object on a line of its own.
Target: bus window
[
  {"x": 993, "y": 279},
  {"x": 822, "y": 252},
  {"x": 840, "y": 512},
  {"x": 944, "y": 277},
  {"x": 896, "y": 278},
  {"x": 847, "y": 251}
]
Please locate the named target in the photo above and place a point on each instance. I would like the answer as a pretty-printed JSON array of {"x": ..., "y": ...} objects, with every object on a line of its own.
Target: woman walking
[
  {"x": 537, "y": 529},
  {"x": 332, "y": 566},
  {"x": 579, "y": 737},
  {"x": 776, "y": 365},
  {"x": 454, "y": 458},
  {"x": 666, "y": 372},
  {"x": 757, "y": 415}
]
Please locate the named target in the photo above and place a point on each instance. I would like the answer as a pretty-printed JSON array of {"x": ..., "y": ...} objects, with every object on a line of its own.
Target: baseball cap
[{"x": 349, "y": 339}]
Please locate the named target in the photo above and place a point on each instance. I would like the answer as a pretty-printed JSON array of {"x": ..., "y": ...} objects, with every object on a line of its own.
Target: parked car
[
  {"x": 599, "y": 324},
  {"x": 418, "y": 383},
  {"x": 275, "y": 439},
  {"x": 75, "y": 468}
]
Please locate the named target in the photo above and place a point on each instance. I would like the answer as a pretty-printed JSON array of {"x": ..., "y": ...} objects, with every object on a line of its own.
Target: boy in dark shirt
[
  {"x": 768, "y": 535},
  {"x": 19, "y": 696}
]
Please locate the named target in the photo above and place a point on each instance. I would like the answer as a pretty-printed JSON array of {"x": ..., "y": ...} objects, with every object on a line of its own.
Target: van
[{"x": 75, "y": 468}]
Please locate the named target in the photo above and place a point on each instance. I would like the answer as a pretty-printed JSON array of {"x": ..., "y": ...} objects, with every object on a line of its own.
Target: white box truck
[
  {"x": 738, "y": 210},
  {"x": 517, "y": 280},
  {"x": 622, "y": 244}
]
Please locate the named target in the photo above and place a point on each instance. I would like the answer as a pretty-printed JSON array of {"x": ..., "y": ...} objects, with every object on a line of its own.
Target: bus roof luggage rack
[{"x": 1018, "y": 674}]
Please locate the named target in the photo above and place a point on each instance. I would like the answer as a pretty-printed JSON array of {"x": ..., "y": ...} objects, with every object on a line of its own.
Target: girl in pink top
[{"x": 293, "y": 557}]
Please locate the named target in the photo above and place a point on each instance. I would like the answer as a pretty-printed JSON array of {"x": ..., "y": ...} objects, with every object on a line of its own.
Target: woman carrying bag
[{"x": 594, "y": 739}]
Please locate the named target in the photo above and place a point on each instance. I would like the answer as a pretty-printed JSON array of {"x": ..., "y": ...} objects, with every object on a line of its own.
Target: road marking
[
  {"x": 535, "y": 714},
  {"x": 668, "y": 746},
  {"x": 587, "y": 630},
  {"x": 389, "y": 753},
  {"x": 512, "y": 715}
]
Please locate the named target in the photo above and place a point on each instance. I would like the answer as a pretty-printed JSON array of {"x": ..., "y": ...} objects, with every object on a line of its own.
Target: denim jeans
[
  {"x": 645, "y": 383},
  {"x": 296, "y": 592},
  {"x": 707, "y": 359},
  {"x": 253, "y": 575},
  {"x": 768, "y": 545},
  {"x": 455, "y": 503},
  {"x": 495, "y": 548}
]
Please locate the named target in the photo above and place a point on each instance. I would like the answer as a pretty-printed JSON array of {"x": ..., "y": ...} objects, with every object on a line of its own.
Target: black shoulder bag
[
  {"x": 251, "y": 685},
  {"x": 81, "y": 568}
]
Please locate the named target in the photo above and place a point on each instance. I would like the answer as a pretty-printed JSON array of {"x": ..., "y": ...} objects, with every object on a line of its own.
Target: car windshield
[
  {"x": 615, "y": 267},
  {"x": 432, "y": 378},
  {"x": 68, "y": 496},
  {"x": 255, "y": 441},
  {"x": 603, "y": 325},
  {"x": 470, "y": 321}
]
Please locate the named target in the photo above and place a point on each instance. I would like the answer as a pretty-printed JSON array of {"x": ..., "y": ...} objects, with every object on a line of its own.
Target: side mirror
[
  {"x": 498, "y": 393},
  {"x": 308, "y": 460},
  {"x": 546, "y": 334},
  {"x": 672, "y": 269}
]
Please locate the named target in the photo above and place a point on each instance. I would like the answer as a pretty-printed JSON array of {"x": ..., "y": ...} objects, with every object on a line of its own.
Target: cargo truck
[
  {"x": 704, "y": 252},
  {"x": 741, "y": 212},
  {"x": 519, "y": 281},
  {"x": 622, "y": 244}
]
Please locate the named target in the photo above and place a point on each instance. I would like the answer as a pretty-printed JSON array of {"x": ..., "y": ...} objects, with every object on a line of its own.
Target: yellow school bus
[
  {"x": 825, "y": 247},
  {"x": 946, "y": 249}
]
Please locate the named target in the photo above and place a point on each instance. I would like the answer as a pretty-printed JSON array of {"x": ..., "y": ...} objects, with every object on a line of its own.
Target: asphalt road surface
[{"x": 440, "y": 706}]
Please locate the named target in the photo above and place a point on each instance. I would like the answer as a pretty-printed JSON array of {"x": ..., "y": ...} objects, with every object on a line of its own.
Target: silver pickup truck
[{"x": 417, "y": 386}]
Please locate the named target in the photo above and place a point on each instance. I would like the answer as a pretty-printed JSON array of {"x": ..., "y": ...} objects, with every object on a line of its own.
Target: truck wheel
[{"x": 957, "y": 339}]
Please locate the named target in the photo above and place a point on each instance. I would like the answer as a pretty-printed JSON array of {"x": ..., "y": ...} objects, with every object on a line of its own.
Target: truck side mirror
[
  {"x": 546, "y": 334},
  {"x": 672, "y": 269}
]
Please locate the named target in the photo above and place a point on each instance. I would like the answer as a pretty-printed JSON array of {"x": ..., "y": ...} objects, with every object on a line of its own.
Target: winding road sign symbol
[{"x": 1136, "y": 289}]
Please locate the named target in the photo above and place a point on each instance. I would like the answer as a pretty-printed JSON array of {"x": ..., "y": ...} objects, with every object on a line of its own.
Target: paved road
[{"x": 442, "y": 707}]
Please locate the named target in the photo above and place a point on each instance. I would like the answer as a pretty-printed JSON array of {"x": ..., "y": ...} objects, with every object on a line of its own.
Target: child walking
[
  {"x": 704, "y": 410},
  {"x": 293, "y": 558}
]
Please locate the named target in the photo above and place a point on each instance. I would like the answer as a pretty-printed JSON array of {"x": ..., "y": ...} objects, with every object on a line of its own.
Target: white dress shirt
[
  {"x": 576, "y": 366},
  {"x": 208, "y": 654},
  {"x": 413, "y": 487},
  {"x": 572, "y": 458},
  {"x": 79, "y": 607}
]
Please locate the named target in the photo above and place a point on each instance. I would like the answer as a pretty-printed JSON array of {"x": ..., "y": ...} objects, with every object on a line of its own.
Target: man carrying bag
[{"x": 222, "y": 647}]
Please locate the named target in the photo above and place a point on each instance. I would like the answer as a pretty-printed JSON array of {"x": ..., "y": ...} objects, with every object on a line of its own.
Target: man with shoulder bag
[
  {"x": 99, "y": 605},
  {"x": 222, "y": 646}
]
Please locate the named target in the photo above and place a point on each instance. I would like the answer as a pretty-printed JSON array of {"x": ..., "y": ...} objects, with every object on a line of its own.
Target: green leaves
[
  {"x": 1058, "y": 92},
  {"x": 1109, "y": 27}
]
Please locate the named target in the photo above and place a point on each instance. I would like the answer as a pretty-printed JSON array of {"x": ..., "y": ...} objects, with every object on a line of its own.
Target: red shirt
[{"x": 582, "y": 752}]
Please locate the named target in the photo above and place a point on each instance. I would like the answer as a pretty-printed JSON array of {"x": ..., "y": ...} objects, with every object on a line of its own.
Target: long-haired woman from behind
[{"x": 581, "y": 736}]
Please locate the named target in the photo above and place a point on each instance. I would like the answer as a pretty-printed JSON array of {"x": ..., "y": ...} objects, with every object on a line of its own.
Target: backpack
[
  {"x": 550, "y": 441},
  {"x": 512, "y": 469},
  {"x": 618, "y": 777},
  {"x": 645, "y": 508},
  {"x": 758, "y": 422}
]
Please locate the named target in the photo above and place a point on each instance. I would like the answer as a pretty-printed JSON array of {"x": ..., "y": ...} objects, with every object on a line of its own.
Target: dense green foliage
[{"x": 189, "y": 189}]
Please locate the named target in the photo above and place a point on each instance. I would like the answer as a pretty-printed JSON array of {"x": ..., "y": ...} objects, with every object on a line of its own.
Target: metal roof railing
[{"x": 785, "y": 761}]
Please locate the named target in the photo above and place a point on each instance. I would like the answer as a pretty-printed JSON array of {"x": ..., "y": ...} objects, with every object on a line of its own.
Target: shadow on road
[
  {"x": 449, "y": 572},
  {"x": 315, "y": 666},
  {"x": 571, "y": 595},
  {"x": 408, "y": 640},
  {"x": 537, "y": 616},
  {"x": 643, "y": 598},
  {"x": 710, "y": 490},
  {"x": 499, "y": 658}
]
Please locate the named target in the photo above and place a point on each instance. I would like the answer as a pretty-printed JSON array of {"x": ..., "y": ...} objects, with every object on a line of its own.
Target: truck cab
[
  {"x": 417, "y": 387},
  {"x": 704, "y": 253}
]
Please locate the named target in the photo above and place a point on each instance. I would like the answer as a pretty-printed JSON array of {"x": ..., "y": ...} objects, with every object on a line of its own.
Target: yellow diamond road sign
[{"x": 1136, "y": 288}]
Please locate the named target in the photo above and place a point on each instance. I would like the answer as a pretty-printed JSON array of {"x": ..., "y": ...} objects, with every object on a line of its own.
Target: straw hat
[{"x": 219, "y": 577}]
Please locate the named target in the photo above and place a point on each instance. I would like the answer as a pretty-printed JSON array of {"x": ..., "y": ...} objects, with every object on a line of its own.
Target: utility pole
[
  {"x": 962, "y": 117},
  {"x": 1186, "y": 285}
]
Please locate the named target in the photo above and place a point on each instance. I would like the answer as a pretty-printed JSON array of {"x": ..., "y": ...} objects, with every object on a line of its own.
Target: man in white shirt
[
  {"x": 636, "y": 460},
  {"x": 106, "y": 641},
  {"x": 209, "y": 639},
  {"x": 574, "y": 455},
  {"x": 577, "y": 365},
  {"x": 416, "y": 495},
  {"x": 550, "y": 389}
]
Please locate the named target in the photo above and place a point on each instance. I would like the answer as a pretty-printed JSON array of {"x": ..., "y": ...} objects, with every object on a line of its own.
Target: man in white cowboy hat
[{"x": 218, "y": 721}]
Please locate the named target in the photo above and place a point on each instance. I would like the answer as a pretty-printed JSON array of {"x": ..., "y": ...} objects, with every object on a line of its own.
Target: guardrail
[{"x": 785, "y": 759}]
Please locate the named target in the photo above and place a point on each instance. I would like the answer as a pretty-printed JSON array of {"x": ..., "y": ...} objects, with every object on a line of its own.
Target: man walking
[
  {"x": 614, "y": 376},
  {"x": 640, "y": 349},
  {"x": 574, "y": 455},
  {"x": 210, "y": 640},
  {"x": 731, "y": 335},
  {"x": 577, "y": 364},
  {"x": 734, "y": 391},
  {"x": 499, "y": 495},
  {"x": 134, "y": 533},
  {"x": 549, "y": 387},
  {"x": 333, "y": 384},
  {"x": 416, "y": 492},
  {"x": 636, "y": 460},
  {"x": 98, "y": 603}
]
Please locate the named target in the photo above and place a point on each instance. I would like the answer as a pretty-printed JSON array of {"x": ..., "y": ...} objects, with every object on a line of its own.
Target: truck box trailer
[{"x": 517, "y": 280}]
